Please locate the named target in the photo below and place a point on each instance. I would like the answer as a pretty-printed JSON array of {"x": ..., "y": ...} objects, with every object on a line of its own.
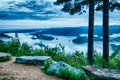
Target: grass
[
  {"x": 4, "y": 59},
  {"x": 6, "y": 78}
]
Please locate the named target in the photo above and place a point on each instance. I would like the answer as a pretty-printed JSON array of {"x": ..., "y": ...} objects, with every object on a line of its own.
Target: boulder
[
  {"x": 61, "y": 69},
  {"x": 102, "y": 73},
  {"x": 36, "y": 60},
  {"x": 4, "y": 57}
]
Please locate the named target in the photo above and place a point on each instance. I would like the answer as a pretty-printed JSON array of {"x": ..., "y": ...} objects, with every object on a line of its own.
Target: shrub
[
  {"x": 25, "y": 50},
  {"x": 114, "y": 63},
  {"x": 47, "y": 64},
  {"x": 6, "y": 78},
  {"x": 4, "y": 59},
  {"x": 98, "y": 60},
  {"x": 10, "y": 46}
]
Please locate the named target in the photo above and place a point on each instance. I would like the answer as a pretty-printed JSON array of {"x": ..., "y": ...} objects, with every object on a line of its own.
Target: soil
[{"x": 23, "y": 72}]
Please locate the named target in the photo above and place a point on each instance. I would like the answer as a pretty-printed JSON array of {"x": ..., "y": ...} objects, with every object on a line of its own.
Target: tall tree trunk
[
  {"x": 105, "y": 31},
  {"x": 91, "y": 32}
]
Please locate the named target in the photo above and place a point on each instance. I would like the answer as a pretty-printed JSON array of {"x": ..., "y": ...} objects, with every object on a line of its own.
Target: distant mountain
[
  {"x": 76, "y": 31},
  {"x": 67, "y": 31}
]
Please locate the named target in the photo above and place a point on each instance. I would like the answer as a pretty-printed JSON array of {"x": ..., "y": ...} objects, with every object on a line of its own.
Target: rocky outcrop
[
  {"x": 4, "y": 57},
  {"x": 36, "y": 60},
  {"x": 102, "y": 73},
  {"x": 62, "y": 69}
]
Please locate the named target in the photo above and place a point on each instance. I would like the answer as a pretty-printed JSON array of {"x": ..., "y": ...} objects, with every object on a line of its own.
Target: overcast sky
[{"x": 42, "y": 13}]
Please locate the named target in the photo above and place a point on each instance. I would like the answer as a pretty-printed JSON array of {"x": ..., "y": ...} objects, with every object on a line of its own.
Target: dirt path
[{"x": 23, "y": 72}]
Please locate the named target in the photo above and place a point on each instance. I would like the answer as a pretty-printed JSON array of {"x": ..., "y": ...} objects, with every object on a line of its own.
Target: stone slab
[
  {"x": 2, "y": 54},
  {"x": 4, "y": 57},
  {"x": 36, "y": 60},
  {"x": 102, "y": 73}
]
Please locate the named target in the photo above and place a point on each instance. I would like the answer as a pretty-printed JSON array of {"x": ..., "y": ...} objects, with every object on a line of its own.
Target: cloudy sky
[{"x": 42, "y": 13}]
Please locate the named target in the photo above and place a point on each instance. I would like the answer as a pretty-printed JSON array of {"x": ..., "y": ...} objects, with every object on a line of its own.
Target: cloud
[
  {"x": 28, "y": 9},
  {"x": 42, "y": 13}
]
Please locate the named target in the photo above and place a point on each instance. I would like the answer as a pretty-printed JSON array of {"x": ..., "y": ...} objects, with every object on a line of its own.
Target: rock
[
  {"x": 2, "y": 54},
  {"x": 4, "y": 57},
  {"x": 102, "y": 73},
  {"x": 54, "y": 68},
  {"x": 66, "y": 71},
  {"x": 36, "y": 60}
]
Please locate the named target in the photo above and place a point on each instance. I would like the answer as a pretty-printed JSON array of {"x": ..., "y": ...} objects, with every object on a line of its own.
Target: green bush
[
  {"x": 4, "y": 59},
  {"x": 47, "y": 64},
  {"x": 98, "y": 60},
  {"x": 114, "y": 63},
  {"x": 10, "y": 46},
  {"x": 6, "y": 78},
  {"x": 24, "y": 49}
]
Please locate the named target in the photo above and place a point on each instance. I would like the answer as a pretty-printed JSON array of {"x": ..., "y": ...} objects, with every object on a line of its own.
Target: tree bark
[
  {"x": 91, "y": 32},
  {"x": 105, "y": 31}
]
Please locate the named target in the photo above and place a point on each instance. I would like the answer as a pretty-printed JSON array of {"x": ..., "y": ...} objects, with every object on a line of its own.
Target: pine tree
[{"x": 77, "y": 6}]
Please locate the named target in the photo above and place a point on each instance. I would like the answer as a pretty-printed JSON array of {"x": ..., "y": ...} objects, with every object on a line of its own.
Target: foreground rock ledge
[
  {"x": 102, "y": 73},
  {"x": 4, "y": 57},
  {"x": 64, "y": 70},
  {"x": 36, "y": 60},
  {"x": 2, "y": 54}
]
